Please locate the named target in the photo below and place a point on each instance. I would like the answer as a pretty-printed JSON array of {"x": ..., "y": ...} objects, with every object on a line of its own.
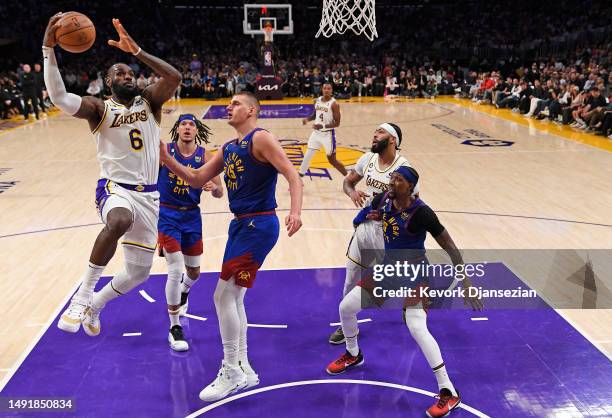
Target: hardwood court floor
[{"x": 549, "y": 189}]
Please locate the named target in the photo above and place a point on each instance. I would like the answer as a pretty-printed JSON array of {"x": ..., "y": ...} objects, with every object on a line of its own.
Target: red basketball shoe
[
  {"x": 445, "y": 404},
  {"x": 344, "y": 362}
]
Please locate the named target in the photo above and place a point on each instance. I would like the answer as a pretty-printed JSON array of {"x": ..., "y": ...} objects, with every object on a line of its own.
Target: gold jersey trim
[{"x": 101, "y": 120}]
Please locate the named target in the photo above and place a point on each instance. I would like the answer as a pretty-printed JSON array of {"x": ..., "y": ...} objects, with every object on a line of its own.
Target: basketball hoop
[
  {"x": 268, "y": 33},
  {"x": 341, "y": 15}
]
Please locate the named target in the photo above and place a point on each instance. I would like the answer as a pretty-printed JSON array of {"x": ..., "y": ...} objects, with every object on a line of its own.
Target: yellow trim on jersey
[
  {"x": 116, "y": 103},
  {"x": 397, "y": 157},
  {"x": 107, "y": 187},
  {"x": 101, "y": 120},
  {"x": 151, "y": 110},
  {"x": 140, "y": 245}
]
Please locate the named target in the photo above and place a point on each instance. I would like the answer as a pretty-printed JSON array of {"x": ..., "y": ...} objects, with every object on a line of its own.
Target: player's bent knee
[
  {"x": 175, "y": 265},
  {"x": 416, "y": 321},
  {"x": 119, "y": 221},
  {"x": 350, "y": 305},
  {"x": 138, "y": 274},
  {"x": 193, "y": 272},
  {"x": 135, "y": 275}
]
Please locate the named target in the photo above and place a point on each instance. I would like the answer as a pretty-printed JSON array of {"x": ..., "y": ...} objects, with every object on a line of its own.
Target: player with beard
[
  {"x": 406, "y": 220},
  {"x": 376, "y": 167},
  {"x": 126, "y": 127}
]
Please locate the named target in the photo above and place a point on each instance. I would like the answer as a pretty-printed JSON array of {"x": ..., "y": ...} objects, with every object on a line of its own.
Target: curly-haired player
[{"x": 180, "y": 222}]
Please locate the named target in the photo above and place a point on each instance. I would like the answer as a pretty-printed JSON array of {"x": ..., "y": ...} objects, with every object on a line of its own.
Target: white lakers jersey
[
  {"x": 376, "y": 180},
  {"x": 324, "y": 115},
  {"x": 127, "y": 141}
]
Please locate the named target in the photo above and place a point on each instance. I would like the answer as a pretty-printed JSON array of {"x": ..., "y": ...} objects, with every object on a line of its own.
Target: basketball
[{"x": 76, "y": 32}]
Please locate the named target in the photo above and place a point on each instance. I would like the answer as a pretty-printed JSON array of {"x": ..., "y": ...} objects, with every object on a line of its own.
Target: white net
[{"x": 341, "y": 15}]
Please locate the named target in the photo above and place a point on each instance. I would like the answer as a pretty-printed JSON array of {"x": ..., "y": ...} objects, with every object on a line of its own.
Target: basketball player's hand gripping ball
[
  {"x": 49, "y": 38},
  {"x": 125, "y": 42}
]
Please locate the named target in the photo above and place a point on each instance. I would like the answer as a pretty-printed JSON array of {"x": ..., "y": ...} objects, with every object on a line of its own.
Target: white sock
[
  {"x": 444, "y": 380},
  {"x": 306, "y": 161},
  {"x": 88, "y": 282},
  {"x": 349, "y": 308},
  {"x": 108, "y": 293},
  {"x": 416, "y": 320},
  {"x": 187, "y": 282},
  {"x": 352, "y": 346},
  {"x": 174, "y": 317},
  {"x": 225, "y": 297}
]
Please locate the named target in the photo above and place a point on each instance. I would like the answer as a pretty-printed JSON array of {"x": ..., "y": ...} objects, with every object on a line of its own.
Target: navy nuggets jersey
[
  {"x": 395, "y": 226},
  {"x": 175, "y": 191},
  {"x": 251, "y": 184}
]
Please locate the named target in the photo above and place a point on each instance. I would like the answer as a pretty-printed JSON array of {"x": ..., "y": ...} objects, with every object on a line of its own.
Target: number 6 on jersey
[{"x": 136, "y": 140}]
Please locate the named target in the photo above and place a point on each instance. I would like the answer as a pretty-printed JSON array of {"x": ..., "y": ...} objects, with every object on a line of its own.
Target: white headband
[{"x": 390, "y": 129}]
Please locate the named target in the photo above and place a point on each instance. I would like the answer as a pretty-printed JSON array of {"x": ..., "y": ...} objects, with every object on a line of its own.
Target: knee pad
[
  {"x": 192, "y": 260},
  {"x": 175, "y": 265}
]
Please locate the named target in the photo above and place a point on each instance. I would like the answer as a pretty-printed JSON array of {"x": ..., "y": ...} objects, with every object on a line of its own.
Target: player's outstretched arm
[
  {"x": 170, "y": 77},
  {"x": 446, "y": 242},
  {"x": 89, "y": 107},
  {"x": 267, "y": 148},
  {"x": 196, "y": 178},
  {"x": 214, "y": 186}
]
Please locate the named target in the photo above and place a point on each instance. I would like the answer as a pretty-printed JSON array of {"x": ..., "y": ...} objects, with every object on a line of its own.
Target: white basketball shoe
[
  {"x": 71, "y": 318},
  {"x": 251, "y": 376},
  {"x": 177, "y": 339},
  {"x": 91, "y": 321},
  {"x": 229, "y": 380}
]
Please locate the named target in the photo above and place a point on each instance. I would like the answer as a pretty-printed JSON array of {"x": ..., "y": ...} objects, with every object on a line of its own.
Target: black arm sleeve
[{"x": 425, "y": 219}]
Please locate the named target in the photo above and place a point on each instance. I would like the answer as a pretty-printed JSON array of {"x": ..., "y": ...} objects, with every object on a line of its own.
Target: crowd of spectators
[
  {"x": 578, "y": 93},
  {"x": 547, "y": 60}
]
